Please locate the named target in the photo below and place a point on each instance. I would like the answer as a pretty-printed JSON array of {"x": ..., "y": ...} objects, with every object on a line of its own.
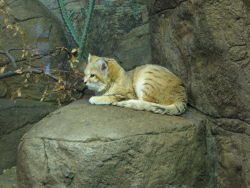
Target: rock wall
[
  {"x": 207, "y": 44},
  {"x": 15, "y": 120},
  {"x": 35, "y": 45},
  {"x": 38, "y": 33}
]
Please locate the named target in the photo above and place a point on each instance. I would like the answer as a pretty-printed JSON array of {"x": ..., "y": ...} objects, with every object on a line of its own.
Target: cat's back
[
  {"x": 157, "y": 84},
  {"x": 154, "y": 72}
]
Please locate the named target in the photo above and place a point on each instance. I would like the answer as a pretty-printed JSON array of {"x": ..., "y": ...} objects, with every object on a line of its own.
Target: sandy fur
[{"x": 147, "y": 87}]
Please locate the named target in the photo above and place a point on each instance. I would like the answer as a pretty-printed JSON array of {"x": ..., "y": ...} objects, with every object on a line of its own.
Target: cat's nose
[{"x": 85, "y": 81}]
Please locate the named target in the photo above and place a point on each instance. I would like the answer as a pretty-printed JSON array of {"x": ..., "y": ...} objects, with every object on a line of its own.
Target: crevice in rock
[
  {"x": 212, "y": 154},
  {"x": 17, "y": 20},
  {"x": 169, "y": 8},
  {"x": 46, "y": 157},
  {"x": 217, "y": 117},
  {"x": 115, "y": 155},
  {"x": 100, "y": 139}
]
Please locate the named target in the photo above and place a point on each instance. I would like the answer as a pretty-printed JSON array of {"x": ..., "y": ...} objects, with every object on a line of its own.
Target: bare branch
[
  {"x": 53, "y": 77},
  {"x": 10, "y": 57},
  {"x": 19, "y": 72},
  {"x": 23, "y": 71},
  {"x": 17, "y": 49}
]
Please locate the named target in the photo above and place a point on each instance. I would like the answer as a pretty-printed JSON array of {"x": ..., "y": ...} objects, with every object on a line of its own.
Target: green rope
[
  {"x": 68, "y": 22},
  {"x": 80, "y": 41},
  {"x": 83, "y": 39}
]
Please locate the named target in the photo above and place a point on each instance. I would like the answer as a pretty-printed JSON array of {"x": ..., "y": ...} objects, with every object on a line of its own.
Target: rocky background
[
  {"x": 37, "y": 31},
  {"x": 206, "y": 43}
]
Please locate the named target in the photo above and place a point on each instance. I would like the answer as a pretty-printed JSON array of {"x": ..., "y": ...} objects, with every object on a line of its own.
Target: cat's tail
[{"x": 173, "y": 109}]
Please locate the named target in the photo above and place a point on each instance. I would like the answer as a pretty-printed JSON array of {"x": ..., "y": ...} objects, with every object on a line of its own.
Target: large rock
[
  {"x": 83, "y": 145},
  {"x": 15, "y": 119},
  {"x": 207, "y": 44},
  {"x": 232, "y": 139}
]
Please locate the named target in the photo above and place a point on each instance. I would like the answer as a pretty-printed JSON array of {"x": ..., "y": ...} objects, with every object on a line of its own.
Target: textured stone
[
  {"x": 83, "y": 145},
  {"x": 207, "y": 44},
  {"x": 41, "y": 34},
  {"x": 232, "y": 141},
  {"x": 8, "y": 178},
  {"x": 15, "y": 119}
]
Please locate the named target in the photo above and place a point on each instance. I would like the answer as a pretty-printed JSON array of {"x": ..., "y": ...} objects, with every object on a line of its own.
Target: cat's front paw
[
  {"x": 98, "y": 100},
  {"x": 114, "y": 103},
  {"x": 92, "y": 100}
]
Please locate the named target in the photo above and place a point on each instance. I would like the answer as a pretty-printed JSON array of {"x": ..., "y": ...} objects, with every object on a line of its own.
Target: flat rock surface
[
  {"x": 91, "y": 121},
  {"x": 83, "y": 145}
]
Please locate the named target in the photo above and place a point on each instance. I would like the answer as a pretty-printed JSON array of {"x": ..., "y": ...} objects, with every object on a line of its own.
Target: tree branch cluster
[{"x": 19, "y": 71}]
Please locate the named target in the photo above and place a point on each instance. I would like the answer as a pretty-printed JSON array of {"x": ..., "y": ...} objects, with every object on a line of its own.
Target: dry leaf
[
  {"x": 27, "y": 75},
  {"x": 6, "y": 20},
  {"x": 19, "y": 71},
  {"x": 74, "y": 60},
  {"x": 9, "y": 27},
  {"x": 45, "y": 93},
  {"x": 18, "y": 92},
  {"x": 26, "y": 85},
  {"x": 2, "y": 69}
]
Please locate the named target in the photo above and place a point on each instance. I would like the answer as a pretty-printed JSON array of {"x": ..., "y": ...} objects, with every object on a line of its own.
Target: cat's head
[{"x": 96, "y": 73}]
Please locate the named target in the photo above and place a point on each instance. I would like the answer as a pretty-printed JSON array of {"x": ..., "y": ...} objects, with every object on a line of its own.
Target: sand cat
[{"x": 147, "y": 87}]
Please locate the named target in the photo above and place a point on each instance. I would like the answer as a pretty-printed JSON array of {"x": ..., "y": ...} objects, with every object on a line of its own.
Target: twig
[
  {"x": 23, "y": 71},
  {"x": 17, "y": 49},
  {"x": 10, "y": 57},
  {"x": 19, "y": 72},
  {"x": 52, "y": 76}
]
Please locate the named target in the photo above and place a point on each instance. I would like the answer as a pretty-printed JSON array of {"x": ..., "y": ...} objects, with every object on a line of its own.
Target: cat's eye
[{"x": 92, "y": 75}]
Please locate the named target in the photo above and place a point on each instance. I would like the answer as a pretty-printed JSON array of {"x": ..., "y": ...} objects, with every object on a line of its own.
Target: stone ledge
[{"x": 83, "y": 145}]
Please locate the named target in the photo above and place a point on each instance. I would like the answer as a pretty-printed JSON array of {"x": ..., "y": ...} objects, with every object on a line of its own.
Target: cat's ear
[
  {"x": 89, "y": 58},
  {"x": 102, "y": 65}
]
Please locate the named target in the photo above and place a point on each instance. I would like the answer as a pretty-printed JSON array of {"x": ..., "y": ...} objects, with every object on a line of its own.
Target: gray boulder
[
  {"x": 83, "y": 145},
  {"x": 15, "y": 119},
  {"x": 207, "y": 44}
]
